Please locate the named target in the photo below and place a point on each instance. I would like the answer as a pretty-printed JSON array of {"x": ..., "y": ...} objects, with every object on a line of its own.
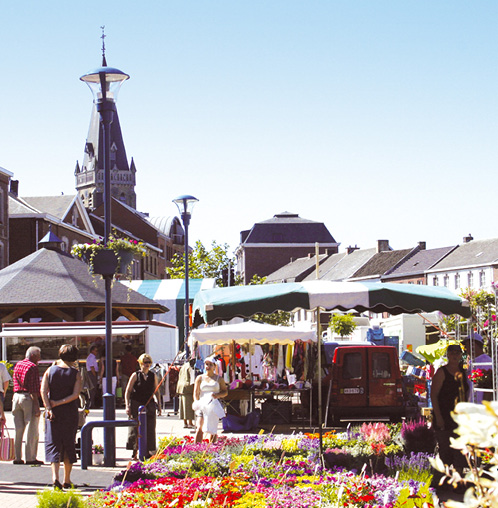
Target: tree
[
  {"x": 342, "y": 324},
  {"x": 204, "y": 263},
  {"x": 279, "y": 317}
]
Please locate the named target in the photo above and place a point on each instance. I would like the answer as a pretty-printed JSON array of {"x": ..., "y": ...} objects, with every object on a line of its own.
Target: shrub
[
  {"x": 59, "y": 499},
  {"x": 418, "y": 437}
]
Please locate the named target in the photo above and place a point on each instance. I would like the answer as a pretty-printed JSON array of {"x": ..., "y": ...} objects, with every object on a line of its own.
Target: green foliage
[
  {"x": 257, "y": 280},
  {"x": 204, "y": 263},
  {"x": 279, "y": 317},
  {"x": 482, "y": 305},
  {"x": 407, "y": 499},
  {"x": 342, "y": 324},
  {"x": 59, "y": 499}
]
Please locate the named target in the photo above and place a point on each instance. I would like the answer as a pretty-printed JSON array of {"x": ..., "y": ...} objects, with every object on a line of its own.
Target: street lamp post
[
  {"x": 104, "y": 83},
  {"x": 185, "y": 206}
]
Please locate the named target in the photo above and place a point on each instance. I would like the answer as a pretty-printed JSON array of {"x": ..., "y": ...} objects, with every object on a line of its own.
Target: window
[
  {"x": 470, "y": 279},
  {"x": 482, "y": 278},
  {"x": 381, "y": 366},
  {"x": 446, "y": 281},
  {"x": 435, "y": 281},
  {"x": 351, "y": 368},
  {"x": 457, "y": 280}
]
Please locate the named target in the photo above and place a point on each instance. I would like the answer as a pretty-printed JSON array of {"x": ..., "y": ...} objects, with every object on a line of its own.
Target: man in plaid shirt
[{"x": 26, "y": 405}]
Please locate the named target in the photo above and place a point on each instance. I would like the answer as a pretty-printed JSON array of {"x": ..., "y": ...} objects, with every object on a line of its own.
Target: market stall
[{"x": 281, "y": 398}]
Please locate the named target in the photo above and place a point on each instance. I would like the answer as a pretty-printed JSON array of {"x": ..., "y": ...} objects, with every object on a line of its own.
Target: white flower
[{"x": 477, "y": 425}]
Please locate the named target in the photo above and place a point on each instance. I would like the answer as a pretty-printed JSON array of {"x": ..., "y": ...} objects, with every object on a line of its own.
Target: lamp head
[
  {"x": 185, "y": 204},
  {"x": 104, "y": 82}
]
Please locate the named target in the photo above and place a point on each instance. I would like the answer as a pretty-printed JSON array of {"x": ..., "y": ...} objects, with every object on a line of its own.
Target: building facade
[{"x": 273, "y": 243}]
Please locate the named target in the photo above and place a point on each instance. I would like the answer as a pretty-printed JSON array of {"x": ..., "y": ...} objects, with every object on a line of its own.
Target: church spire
[{"x": 90, "y": 176}]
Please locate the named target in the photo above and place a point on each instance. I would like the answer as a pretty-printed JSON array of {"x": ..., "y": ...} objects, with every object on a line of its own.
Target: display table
[
  {"x": 283, "y": 406},
  {"x": 232, "y": 400}
]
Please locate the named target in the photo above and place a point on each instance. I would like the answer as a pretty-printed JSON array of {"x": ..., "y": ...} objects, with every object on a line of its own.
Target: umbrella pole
[{"x": 319, "y": 344}]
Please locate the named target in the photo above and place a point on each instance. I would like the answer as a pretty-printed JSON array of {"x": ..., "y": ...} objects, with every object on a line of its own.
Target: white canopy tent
[{"x": 252, "y": 332}]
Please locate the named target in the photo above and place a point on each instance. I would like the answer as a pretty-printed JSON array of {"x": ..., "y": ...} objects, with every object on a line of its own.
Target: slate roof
[
  {"x": 380, "y": 263},
  {"x": 57, "y": 206},
  {"x": 419, "y": 262},
  {"x": 345, "y": 267},
  {"x": 48, "y": 278},
  {"x": 296, "y": 270},
  {"x": 287, "y": 227},
  {"x": 326, "y": 266},
  {"x": 473, "y": 253},
  {"x": 17, "y": 206}
]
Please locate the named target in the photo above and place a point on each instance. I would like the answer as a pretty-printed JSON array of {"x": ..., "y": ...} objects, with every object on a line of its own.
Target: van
[{"x": 364, "y": 382}]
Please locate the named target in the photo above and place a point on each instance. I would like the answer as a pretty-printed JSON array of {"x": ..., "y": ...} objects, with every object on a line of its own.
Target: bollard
[
  {"x": 86, "y": 436},
  {"x": 143, "y": 453}
]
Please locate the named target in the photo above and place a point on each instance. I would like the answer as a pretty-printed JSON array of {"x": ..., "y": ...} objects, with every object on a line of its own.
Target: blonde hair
[{"x": 143, "y": 357}]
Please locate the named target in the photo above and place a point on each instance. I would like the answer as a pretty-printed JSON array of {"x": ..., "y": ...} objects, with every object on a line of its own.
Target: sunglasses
[{"x": 147, "y": 362}]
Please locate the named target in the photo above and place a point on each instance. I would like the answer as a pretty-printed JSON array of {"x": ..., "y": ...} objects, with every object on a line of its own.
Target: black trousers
[{"x": 132, "y": 443}]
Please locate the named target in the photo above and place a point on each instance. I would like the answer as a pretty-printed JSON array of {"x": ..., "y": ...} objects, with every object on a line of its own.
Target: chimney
[
  {"x": 422, "y": 245},
  {"x": 467, "y": 239},
  {"x": 14, "y": 188},
  {"x": 382, "y": 245},
  {"x": 351, "y": 249}
]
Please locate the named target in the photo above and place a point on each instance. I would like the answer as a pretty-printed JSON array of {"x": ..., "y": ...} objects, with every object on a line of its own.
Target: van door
[
  {"x": 351, "y": 376},
  {"x": 383, "y": 376}
]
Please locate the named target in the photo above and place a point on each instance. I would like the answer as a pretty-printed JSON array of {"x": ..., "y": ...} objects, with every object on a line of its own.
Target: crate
[{"x": 276, "y": 412}]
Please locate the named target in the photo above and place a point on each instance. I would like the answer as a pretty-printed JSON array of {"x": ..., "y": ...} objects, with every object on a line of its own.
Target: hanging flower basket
[
  {"x": 113, "y": 258},
  {"x": 105, "y": 262}
]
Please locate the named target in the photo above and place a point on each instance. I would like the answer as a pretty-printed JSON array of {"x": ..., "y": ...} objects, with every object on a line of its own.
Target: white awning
[{"x": 80, "y": 331}]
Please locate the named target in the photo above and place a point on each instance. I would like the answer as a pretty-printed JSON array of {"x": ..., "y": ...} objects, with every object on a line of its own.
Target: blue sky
[{"x": 378, "y": 118}]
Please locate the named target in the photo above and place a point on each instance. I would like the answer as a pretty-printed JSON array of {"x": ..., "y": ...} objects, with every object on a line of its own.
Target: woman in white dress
[{"x": 207, "y": 387}]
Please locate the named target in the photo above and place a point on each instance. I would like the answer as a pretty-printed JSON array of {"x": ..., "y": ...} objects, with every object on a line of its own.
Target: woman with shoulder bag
[{"x": 140, "y": 391}]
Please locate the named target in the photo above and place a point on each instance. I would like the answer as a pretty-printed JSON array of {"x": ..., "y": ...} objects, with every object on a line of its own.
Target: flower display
[
  {"x": 482, "y": 378},
  {"x": 478, "y": 441},
  {"x": 269, "y": 470}
]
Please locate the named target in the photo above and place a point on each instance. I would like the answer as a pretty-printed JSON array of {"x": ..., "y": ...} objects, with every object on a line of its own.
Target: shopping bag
[{"x": 7, "y": 449}]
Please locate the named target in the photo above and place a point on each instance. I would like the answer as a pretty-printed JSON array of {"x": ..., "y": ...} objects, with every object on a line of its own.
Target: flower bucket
[
  {"x": 98, "y": 459},
  {"x": 125, "y": 259},
  {"x": 105, "y": 262}
]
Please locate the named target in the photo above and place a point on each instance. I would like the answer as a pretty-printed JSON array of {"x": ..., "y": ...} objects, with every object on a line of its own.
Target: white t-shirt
[
  {"x": 91, "y": 361},
  {"x": 4, "y": 376}
]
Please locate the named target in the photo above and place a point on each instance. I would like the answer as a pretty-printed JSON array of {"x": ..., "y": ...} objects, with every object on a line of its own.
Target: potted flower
[
  {"x": 482, "y": 378},
  {"x": 98, "y": 454}
]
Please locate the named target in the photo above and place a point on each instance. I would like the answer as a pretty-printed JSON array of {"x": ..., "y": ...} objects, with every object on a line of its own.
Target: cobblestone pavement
[{"x": 20, "y": 483}]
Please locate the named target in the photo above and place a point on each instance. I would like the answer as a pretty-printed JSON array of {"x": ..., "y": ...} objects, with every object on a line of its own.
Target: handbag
[{"x": 7, "y": 448}]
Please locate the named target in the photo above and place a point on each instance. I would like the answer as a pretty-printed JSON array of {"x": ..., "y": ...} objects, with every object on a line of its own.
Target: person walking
[
  {"x": 140, "y": 391},
  {"x": 26, "y": 405},
  {"x": 207, "y": 387},
  {"x": 185, "y": 388},
  {"x": 5, "y": 379},
  {"x": 61, "y": 387},
  {"x": 92, "y": 368},
  {"x": 449, "y": 386}
]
